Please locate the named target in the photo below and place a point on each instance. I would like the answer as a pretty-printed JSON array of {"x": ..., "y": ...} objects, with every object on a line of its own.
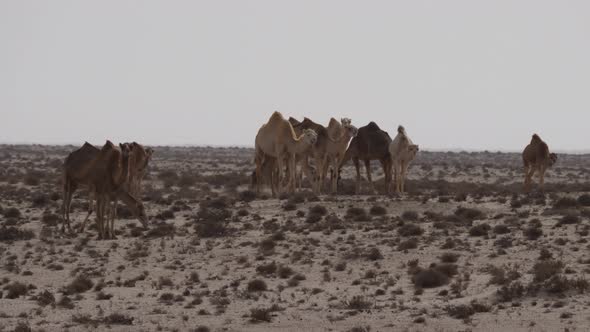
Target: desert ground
[{"x": 463, "y": 250}]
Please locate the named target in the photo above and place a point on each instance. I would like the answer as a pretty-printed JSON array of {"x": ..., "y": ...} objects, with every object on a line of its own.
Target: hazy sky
[{"x": 457, "y": 74}]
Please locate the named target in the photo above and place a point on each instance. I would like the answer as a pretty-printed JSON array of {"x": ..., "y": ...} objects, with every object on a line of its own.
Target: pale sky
[{"x": 457, "y": 74}]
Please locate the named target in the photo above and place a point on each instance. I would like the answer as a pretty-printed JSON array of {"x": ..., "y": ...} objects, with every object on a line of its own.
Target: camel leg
[
  {"x": 403, "y": 177},
  {"x": 99, "y": 215},
  {"x": 293, "y": 163},
  {"x": 91, "y": 202},
  {"x": 358, "y": 175},
  {"x": 334, "y": 175},
  {"x": 258, "y": 161},
  {"x": 542, "y": 178},
  {"x": 530, "y": 172},
  {"x": 113, "y": 217},
  {"x": 369, "y": 178}
]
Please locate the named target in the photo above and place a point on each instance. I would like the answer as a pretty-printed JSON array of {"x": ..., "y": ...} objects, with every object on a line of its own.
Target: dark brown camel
[
  {"x": 318, "y": 151},
  {"x": 536, "y": 158},
  {"x": 107, "y": 174},
  {"x": 370, "y": 143}
]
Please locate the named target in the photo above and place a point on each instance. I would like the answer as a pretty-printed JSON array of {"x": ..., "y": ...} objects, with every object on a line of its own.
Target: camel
[
  {"x": 269, "y": 175},
  {"x": 370, "y": 143},
  {"x": 73, "y": 177},
  {"x": 402, "y": 151},
  {"x": 317, "y": 151},
  {"x": 339, "y": 135},
  {"x": 138, "y": 162},
  {"x": 107, "y": 174},
  {"x": 536, "y": 159},
  {"x": 277, "y": 139},
  {"x": 75, "y": 174}
]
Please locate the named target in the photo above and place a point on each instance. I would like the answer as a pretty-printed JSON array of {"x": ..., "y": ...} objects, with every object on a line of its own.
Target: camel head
[
  {"x": 345, "y": 122},
  {"x": 552, "y": 159},
  {"x": 351, "y": 130},
  {"x": 309, "y": 136},
  {"x": 413, "y": 150},
  {"x": 125, "y": 149}
]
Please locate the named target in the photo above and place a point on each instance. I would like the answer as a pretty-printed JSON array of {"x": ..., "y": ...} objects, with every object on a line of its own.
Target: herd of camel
[
  {"x": 114, "y": 173},
  {"x": 282, "y": 142}
]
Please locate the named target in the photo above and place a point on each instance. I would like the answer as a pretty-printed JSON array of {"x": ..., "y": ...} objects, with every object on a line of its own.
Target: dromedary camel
[
  {"x": 370, "y": 143},
  {"x": 138, "y": 163},
  {"x": 536, "y": 158},
  {"x": 107, "y": 175},
  {"x": 277, "y": 139},
  {"x": 74, "y": 175},
  {"x": 317, "y": 151},
  {"x": 402, "y": 151},
  {"x": 340, "y": 135}
]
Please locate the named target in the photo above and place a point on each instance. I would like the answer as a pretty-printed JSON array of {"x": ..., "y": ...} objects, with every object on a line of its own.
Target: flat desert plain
[{"x": 463, "y": 250}]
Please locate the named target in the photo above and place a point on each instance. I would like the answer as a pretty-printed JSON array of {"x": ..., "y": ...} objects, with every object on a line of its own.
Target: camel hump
[
  {"x": 87, "y": 145},
  {"x": 401, "y": 130},
  {"x": 373, "y": 126},
  {"x": 276, "y": 116},
  {"x": 536, "y": 139}
]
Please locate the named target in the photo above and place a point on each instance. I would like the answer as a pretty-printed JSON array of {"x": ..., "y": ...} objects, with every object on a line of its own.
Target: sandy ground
[{"x": 463, "y": 250}]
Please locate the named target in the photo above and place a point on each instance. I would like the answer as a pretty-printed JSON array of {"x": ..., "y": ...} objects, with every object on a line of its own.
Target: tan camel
[
  {"x": 338, "y": 140},
  {"x": 138, "y": 163},
  {"x": 536, "y": 158},
  {"x": 402, "y": 151},
  {"x": 106, "y": 175},
  {"x": 370, "y": 143},
  {"x": 278, "y": 140}
]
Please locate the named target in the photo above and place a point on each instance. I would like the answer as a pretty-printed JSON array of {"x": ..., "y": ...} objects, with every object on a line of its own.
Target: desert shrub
[
  {"x": 429, "y": 278},
  {"x": 449, "y": 257},
  {"x": 374, "y": 254},
  {"x": 11, "y": 212},
  {"x": 118, "y": 319},
  {"x": 411, "y": 243},
  {"x": 501, "y": 229},
  {"x": 410, "y": 230},
  {"x": 584, "y": 200},
  {"x": 15, "y": 290},
  {"x": 45, "y": 298},
  {"x": 257, "y": 285},
  {"x": 358, "y": 303},
  {"x": 378, "y": 210},
  {"x": 313, "y": 218},
  {"x": 509, "y": 292},
  {"x": 212, "y": 218},
  {"x": 22, "y": 327},
  {"x": 267, "y": 269},
  {"x": 479, "y": 230},
  {"x": 39, "y": 200},
  {"x": 289, "y": 206},
  {"x": 464, "y": 311},
  {"x": 80, "y": 284},
  {"x": 50, "y": 219},
  {"x": 546, "y": 269},
  {"x": 357, "y": 214},
  {"x": 9, "y": 234},
  {"x": 161, "y": 229},
  {"x": 247, "y": 196},
  {"x": 285, "y": 272},
  {"x": 263, "y": 314},
  {"x": 319, "y": 210},
  {"x": 533, "y": 232},
  {"x": 565, "y": 203},
  {"x": 469, "y": 214},
  {"x": 410, "y": 216},
  {"x": 569, "y": 219}
]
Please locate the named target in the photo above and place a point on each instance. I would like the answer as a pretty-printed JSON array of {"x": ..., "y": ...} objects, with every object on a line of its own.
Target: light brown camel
[
  {"x": 339, "y": 135},
  {"x": 370, "y": 143},
  {"x": 138, "y": 163},
  {"x": 278, "y": 140},
  {"x": 536, "y": 158},
  {"x": 402, "y": 151},
  {"x": 106, "y": 175},
  {"x": 318, "y": 153}
]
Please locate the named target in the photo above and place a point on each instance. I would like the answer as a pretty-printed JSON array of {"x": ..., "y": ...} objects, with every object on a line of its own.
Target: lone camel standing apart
[{"x": 536, "y": 158}]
